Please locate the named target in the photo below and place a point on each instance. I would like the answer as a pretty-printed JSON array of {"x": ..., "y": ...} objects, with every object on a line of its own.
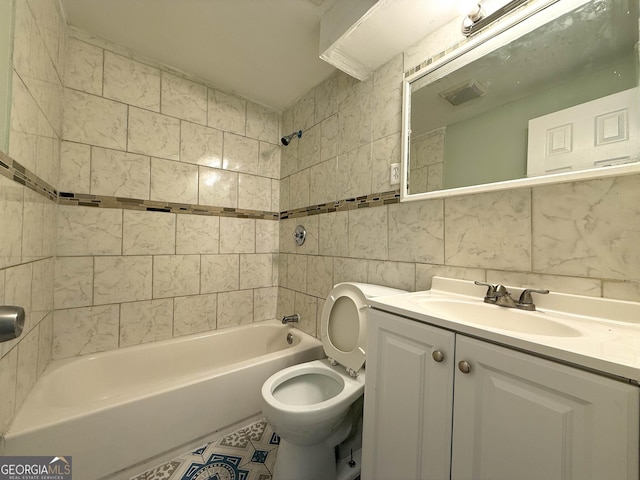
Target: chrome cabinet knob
[
  {"x": 438, "y": 356},
  {"x": 464, "y": 366}
]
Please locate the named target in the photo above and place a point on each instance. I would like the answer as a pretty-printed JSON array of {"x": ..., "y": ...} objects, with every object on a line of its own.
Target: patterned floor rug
[{"x": 246, "y": 454}]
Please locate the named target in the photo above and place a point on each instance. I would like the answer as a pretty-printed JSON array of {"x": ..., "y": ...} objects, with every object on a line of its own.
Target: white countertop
[{"x": 604, "y": 334}]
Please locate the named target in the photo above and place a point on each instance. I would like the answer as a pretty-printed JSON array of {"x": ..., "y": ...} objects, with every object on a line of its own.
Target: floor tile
[
  {"x": 216, "y": 466},
  {"x": 246, "y": 454},
  {"x": 265, "y": 458},
  {"x": 262, "y": 436}
]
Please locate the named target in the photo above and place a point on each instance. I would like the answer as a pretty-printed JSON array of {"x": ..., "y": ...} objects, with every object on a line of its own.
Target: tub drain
[{"x": 290, "y": 338}]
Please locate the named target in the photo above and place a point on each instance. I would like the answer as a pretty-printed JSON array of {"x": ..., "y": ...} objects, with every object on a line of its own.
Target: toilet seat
[{"x": 343, "y": 328}]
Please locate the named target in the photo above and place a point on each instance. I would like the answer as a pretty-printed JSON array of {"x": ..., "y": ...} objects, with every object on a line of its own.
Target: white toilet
[{"x": 314, "y": 406}]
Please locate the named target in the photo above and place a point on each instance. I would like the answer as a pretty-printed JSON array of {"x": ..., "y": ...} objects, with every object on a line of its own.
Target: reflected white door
[{"x": 599, "y": 133}]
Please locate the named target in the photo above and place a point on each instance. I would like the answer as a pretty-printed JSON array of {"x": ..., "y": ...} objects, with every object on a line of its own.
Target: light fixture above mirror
[{"x": 479, "y": 13}]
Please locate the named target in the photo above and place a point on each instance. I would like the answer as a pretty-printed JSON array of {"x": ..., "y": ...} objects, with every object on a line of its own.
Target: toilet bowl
[
  {"x": 308, "y": 403},
  {"x": 313, "y": 406}
]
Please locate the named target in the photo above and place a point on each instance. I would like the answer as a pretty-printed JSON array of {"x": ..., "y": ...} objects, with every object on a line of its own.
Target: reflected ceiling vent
[{"x": 463, "y": 93}]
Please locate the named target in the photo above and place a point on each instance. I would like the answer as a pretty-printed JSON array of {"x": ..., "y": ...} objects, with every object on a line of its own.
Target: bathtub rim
[
  {"x": 61, "y": 414},
  {"x": 61, "y": 362}
]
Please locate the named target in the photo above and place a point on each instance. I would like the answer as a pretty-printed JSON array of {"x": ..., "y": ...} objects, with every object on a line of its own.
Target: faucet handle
[
  {"x": 491, "y": 296},
  {"x": 526, "y": 301},
  {"x": 491, "y": 289}
]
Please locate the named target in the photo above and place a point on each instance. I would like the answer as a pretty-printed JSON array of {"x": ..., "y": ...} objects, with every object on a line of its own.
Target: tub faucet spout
[{"x": 291, "y": 318}]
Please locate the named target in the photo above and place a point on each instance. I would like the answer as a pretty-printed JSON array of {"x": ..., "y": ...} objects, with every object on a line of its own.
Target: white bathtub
[{"x": 115, "y": 409}]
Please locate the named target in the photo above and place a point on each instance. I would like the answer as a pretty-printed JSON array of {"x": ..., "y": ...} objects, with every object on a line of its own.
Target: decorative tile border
[
  {"x": 14, "y": 171},
  {"x": 365, "y": 201},
  {"x": 101, "y": 201},
  {"x": 436, "y": 57}
]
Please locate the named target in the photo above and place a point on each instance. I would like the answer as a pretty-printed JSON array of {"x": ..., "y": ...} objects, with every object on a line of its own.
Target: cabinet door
[
  {"x": 407, "y": 401},
  {"x": 517, "y": 416}
]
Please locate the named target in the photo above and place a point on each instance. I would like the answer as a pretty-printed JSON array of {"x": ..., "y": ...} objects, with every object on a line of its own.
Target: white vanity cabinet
[
  {"x": 519, "y": 416},
  {"x": 408, "y": 400},
  {"x": 488, "y": 412}
]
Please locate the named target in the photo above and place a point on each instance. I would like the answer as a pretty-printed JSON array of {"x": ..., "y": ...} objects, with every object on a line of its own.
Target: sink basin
[
  {"x": 601, "y": 334},
  {"x": 492, "y": 316}
]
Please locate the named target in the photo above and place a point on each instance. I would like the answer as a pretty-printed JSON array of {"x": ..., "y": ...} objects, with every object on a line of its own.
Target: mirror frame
[{"x": 514, "y": 26}]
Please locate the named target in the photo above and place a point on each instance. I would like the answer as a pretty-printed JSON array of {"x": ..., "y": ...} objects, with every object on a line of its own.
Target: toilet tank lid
[{"x": 371, "y": 290}]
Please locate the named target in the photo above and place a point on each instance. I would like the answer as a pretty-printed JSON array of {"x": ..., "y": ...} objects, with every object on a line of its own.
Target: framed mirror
[{"x": 550, "y": 97}]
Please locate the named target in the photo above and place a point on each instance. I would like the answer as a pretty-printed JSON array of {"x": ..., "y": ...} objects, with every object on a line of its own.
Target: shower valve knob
[{"x": 299, "y": 235}]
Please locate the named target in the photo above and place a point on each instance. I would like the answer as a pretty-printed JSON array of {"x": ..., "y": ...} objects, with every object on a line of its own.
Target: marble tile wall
[
  {"x": 427, "y": 162},
  {"x": 139, "y": 131},
  {"x": 578, "y": 237},
  {"x": 134, "y": 129},
  {"x": 27, "y": 218}
]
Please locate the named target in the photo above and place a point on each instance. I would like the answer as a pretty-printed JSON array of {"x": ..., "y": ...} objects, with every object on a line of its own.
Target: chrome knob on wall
[
  {"x": 299, "y": 235},
  {"x": 11, "y": 322}
]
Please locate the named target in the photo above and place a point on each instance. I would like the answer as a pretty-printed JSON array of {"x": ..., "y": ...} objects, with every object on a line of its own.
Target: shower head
[{"x": 286, "y": 140}]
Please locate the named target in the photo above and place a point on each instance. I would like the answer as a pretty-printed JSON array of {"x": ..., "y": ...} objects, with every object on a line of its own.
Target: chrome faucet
[
  {"x": 499, "y": 295},
  {"x": 503, "y": 297},
  {"x": 291, "y": 318}
]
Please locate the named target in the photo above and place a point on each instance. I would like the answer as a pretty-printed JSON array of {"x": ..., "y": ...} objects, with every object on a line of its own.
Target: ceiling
[{"x": 264, "y": 50}]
